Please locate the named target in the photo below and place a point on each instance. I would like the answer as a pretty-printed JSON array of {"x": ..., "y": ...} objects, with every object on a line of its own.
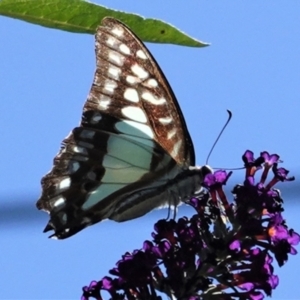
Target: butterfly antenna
[{"x": 221, "y": 132}]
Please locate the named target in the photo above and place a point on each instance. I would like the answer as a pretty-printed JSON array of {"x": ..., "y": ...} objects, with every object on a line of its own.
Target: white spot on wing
[
  {"x": 104, "y": 98},
  {"x": 139, "y": 71},
  {"x": 59, "y": 202},
  {"x": 141, "y": 54},
  {"x": 104, "y": 104},
  {"x": 104, "y": 101},
  {"x": 114, "y": 72},
  {"x": 116, "y": 58},
  {"x": 152, "y": 82},
  {"x": 134, "y": 113},
  {"x": 165, "y": 121},
  {"x": 111, "y": 41},
  {"x": 80, "y": 150},
  {"x": 64, "y": 184},
  {"x": 109, "y": 86},
  {"x": 131, "y": 94},
  {"x": 96, "y": 118},
  {"x": 176, "y": 148},
  {"x": 152, "y": 99},
  {"x": 171, "y": 133},
  {"x": 124, "y": 49},
  {"x": 118, "y": 31},
  {"x": 132, "y": 80}
]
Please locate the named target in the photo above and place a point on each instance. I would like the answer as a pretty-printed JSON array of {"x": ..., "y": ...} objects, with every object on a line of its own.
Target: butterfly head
[
  {"x": 198, "y": 174},
  {"x": 205, "y": 170}
]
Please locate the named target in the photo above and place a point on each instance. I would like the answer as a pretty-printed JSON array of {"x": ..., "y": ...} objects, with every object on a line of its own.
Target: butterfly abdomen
[{"x": 171, "y": 194}]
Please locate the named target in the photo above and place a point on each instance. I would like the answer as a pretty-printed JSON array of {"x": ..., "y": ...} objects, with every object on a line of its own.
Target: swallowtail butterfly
[{"x": 132, "y": 151}]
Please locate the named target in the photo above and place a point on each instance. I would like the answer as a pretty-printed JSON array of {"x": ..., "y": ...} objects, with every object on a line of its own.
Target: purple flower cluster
[{"x": 225, "y": 251}]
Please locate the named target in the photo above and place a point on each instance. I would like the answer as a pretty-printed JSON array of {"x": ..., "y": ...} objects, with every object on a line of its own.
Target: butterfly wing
[
  {"x": 131, "y": 142},
  {"x": 129, "y": 84}
]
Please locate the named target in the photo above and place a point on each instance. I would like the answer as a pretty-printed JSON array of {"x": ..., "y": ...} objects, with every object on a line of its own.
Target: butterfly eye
[{"x": 132, "y": 151}]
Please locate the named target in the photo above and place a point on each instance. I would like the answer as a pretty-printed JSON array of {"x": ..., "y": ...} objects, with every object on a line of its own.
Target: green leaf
[{"x": 84, "y": 17}]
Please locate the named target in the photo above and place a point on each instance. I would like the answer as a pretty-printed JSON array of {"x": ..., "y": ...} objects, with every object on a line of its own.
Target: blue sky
[{"x": 252, "y": 68}]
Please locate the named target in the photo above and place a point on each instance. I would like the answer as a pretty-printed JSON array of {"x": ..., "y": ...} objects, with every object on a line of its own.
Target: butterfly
[{"x": 132, "y": 151}]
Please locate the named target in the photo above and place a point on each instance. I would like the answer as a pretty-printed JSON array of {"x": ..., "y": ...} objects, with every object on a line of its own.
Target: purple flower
[
  {"x": 226, "y": 250},
  {"x": 269, "y": 161},
  {"x": 282, "y": 238},
  {"x": 214, "y": 182},
  {"x": 252, "y": 165},
  {"x": 280, "y": 174}
]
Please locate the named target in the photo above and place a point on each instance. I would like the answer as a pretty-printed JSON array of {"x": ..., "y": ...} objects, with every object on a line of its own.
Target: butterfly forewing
[
  {"x": 132, "y": 141},
  {"x": 129, "y": 84}
]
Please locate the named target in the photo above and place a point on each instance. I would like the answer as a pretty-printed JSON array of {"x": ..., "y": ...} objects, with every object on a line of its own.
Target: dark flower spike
[
  {"x": 251, "y": 164},
  {"x": 93, "y": 290},
  {"x": 270, "y": 160},
  {"x": 215, "y": 254},
  {"x": 248, "y": 157},
  {"x": 214, "y": 182},
  {"x": 282, "y": 238},
  {"x": 280, "y": 174}
]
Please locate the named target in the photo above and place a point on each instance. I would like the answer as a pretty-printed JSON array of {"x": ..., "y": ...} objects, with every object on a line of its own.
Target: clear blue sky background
[{"x": 252, "y": 68}]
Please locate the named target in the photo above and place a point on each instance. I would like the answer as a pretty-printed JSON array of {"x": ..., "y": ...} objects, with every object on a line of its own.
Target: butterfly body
[{"x": 132, "y": 151}]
